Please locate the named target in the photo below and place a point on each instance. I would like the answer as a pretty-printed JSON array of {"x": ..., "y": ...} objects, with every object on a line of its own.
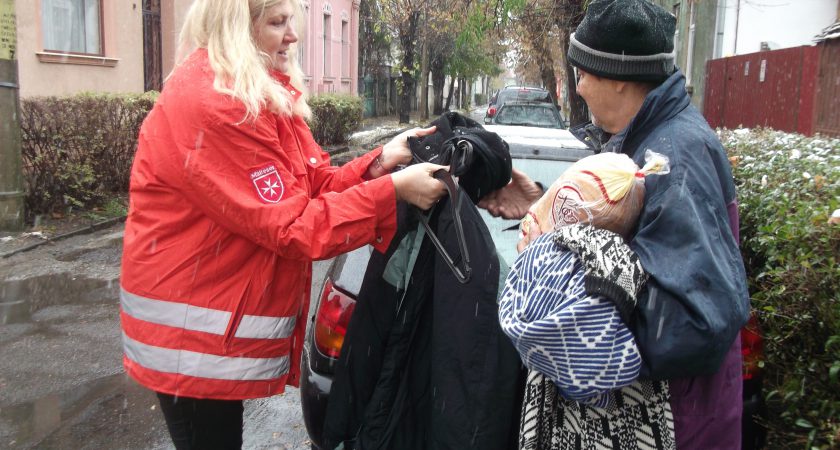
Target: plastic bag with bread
[{"x": 606, "y": 190}]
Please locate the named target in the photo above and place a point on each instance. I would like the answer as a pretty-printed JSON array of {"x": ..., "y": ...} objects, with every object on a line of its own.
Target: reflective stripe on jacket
[{"x": 225, "y": 218}]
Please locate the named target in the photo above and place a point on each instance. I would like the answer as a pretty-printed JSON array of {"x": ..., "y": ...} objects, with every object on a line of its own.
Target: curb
[{"x": 89, "y": 229}]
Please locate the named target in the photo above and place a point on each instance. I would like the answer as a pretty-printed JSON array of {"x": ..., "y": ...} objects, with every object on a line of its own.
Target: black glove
[{"x": 612, "y": 268}]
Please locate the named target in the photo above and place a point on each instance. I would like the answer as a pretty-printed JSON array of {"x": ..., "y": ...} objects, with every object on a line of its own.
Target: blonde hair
[{"x": 226, "y": 29}]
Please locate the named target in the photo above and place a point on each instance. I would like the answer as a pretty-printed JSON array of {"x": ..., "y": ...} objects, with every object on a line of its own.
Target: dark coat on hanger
[{"x": 425, "y": 364}]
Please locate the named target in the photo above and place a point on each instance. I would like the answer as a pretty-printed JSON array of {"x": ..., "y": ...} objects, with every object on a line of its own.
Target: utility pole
[{"x": 11, "y": 178}]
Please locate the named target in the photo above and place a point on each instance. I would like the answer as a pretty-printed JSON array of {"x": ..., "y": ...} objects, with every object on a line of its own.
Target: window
[
  {"x": 72, "y": 26},
  {"x": 302, "y": 49},
  {"x": 327, "y": 45},
  {"x": 345, "y": 49}
]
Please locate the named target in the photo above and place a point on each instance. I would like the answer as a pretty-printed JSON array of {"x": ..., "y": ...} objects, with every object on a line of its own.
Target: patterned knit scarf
[
  {"x": 544, "y": 310},
  {"x": 638, "y": 418}
]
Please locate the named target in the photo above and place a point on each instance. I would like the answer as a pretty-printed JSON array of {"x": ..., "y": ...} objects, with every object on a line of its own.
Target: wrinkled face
[
  {"x": 599, "y": 95},
  {"x": 274, "y": 34}
]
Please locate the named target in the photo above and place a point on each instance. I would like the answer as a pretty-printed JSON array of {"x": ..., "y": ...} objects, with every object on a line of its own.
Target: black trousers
[{"x": 199, "y": 424}]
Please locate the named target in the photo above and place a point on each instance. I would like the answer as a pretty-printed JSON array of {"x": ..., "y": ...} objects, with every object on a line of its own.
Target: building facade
[
  {"x": 329, "y": 50},
  {"x": 70, "y": 46}
]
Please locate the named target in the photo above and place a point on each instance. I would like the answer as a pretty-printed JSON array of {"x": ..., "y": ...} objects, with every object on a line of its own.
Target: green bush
[
  {"x": 788, "y": 187},
  {"x": 480, "y": 99},
  {"x": 77, "y": 150},
  {"x": 334, "y": 117}
]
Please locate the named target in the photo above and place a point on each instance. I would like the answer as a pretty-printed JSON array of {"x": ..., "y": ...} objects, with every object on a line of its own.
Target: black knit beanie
[{"x": 631, "y": 40}]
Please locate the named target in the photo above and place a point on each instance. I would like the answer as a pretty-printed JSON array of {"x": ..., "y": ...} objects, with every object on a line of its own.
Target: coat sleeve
[
  {"x": 695, "y": 301},
  {"x": 328, "y": 178},
  {"x": 219, "y": 164},
  {"x": 575, "y": 339}
]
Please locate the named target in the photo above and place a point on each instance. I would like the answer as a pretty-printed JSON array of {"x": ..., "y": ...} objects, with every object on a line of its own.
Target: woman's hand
[
  {"x": 533, "y": 233},
  {"x": 513, "y": 200},
  {"x": 396, "y": 152},
  {"x": 416, "y": 185}
]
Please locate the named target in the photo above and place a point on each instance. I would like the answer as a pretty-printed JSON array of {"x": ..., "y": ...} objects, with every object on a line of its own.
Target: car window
[
  {"x": 523, "y": 95},
  {"x": 528, "y": 115},
  {"x": 505, "y": 233}
]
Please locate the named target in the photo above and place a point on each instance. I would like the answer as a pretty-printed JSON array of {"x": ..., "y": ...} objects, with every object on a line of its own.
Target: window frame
[
  {"x": 327, "y": 45},
  {"x": 345, "y": 49},
  {"x": 101, "y": 31}
]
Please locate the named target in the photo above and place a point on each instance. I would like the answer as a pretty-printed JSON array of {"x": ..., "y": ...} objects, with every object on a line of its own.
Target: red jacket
[{"x": 225, "y": 218}]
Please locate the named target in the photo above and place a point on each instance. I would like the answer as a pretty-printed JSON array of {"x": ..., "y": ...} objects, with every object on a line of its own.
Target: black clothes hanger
[
  {"x": 481, "y": 161},
  {"x": 462, "y": 274}
]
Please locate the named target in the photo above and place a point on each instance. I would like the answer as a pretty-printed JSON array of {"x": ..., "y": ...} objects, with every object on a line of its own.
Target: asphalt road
[{"x": 62, "y": 385}]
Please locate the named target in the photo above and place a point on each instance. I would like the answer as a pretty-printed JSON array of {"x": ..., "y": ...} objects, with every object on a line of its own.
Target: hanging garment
[{"x": 425, "y": 364}]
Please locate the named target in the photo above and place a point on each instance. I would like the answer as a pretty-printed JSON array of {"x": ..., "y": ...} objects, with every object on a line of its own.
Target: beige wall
[
  {"x": 122, "y": 39},
  {"x": 172, "y": 17}
]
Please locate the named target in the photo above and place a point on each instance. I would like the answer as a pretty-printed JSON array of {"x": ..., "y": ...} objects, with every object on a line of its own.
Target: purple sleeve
[{"x": 732, "y": 209}]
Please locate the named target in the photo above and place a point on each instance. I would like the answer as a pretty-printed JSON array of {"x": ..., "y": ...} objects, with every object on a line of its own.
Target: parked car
[
  {"x": 753, "y": 433},
  {"x": 529, "y": 114},
  {"x": 515, "y": 93},
  {"x": 542, "y": 153}
]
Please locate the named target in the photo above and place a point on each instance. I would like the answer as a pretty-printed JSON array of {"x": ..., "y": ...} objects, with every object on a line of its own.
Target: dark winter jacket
[
  {"x": 696, "y": 301},
  {"x": 425, "y": 364}
]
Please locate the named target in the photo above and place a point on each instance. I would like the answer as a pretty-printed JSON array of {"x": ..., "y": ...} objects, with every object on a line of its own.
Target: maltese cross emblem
[{"x": 268, "y": 183}]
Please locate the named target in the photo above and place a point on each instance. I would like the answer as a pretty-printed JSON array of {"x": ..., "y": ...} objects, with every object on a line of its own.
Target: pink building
[
  {"x": 330, "y": 49},
  {"x": 69, "y": 46}
]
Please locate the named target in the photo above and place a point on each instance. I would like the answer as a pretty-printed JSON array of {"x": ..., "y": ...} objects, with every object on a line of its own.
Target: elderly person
[{"x": 687, "y": 318}]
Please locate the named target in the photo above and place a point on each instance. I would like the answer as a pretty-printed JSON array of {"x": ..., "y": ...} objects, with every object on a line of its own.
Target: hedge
[
  {"x": 334, "y": 117},
  {"x": 788, "y": 188},
  {"x": 77, "y": 150}
]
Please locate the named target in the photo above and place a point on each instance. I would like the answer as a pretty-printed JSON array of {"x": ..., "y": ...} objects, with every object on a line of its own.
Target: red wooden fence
[
  {"x": 793, "y": 89},
  {"x": 827, "y": 111}
]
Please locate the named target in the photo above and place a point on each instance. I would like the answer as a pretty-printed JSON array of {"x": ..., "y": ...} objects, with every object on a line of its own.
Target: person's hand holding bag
[
  {"x": 396, "y": 152},
  {"x": 417, "y": 185}
]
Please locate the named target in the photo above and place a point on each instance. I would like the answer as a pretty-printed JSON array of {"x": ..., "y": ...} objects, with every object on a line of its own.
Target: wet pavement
[{"x": 62, "y": 384}]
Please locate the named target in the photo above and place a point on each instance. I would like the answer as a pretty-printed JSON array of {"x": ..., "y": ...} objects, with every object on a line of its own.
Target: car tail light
[
  {"x": 491, "y": 111},
  {"x": 752, "y": 348},
  {"x": 331, "y": 321}
]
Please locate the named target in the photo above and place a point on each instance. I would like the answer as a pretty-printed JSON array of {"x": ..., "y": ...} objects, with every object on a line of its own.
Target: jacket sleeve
[
  {"x": 328, "y": 178},
  {"x": 695, "y": 301},
  {"x": 575, "y": 339},
  {"x": 218, "y": 166}
]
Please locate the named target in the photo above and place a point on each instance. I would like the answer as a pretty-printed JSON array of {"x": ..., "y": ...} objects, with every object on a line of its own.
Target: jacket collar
[
  {"x": 286, "y": 82},
  {"x": 661, "y": 104}
]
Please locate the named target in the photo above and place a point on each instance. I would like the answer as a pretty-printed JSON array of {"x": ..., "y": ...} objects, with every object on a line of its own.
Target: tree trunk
[
  {"x": 438, "y": 83},
  {"x": 549, "y": 81},
  {"x": 449, "y": 94},
  {"x": 578, "y": 112},
  {"x": 407, "y": 37},
  {"x": 467, "y": 94},
  {"x": 424, "y": 81}
]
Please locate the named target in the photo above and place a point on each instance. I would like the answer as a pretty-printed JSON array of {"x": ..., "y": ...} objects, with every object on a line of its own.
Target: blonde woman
[{"x": 230, "y": 201}]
